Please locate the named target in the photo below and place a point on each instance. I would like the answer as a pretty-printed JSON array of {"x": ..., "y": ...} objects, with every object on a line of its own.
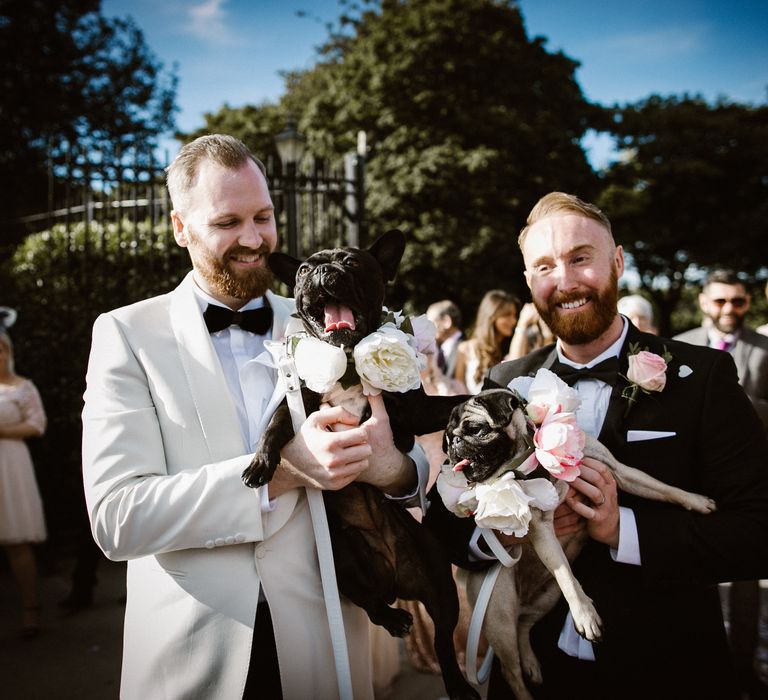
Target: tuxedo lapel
[
  {"x": 207, "y": 384},
  {"x": 611, "y": 434}
]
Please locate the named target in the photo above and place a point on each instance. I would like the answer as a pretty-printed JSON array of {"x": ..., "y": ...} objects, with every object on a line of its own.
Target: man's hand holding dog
[
  {"x": 593, "y": 496},
  {"x": 333, "y": 449}
]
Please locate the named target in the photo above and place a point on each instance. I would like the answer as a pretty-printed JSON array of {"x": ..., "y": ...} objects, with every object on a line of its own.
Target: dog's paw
[
  {"x": 398, "y": 622},
  {"x": 588, "y": 624},
  {"x": 531, "y": 668},
  {"x": 700, "y": 504},
  {"x": 257, "y": 473}
]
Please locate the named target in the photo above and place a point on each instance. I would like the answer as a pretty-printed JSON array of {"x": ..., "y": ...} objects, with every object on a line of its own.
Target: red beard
[{"x": 582, "y": 327}]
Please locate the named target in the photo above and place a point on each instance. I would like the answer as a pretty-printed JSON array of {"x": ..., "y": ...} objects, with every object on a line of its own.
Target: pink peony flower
[
  {"x": 647, "y": 370},
  {"x": 559, "y": 445}
]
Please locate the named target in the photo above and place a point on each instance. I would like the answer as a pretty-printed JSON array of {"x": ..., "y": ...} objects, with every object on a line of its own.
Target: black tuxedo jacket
[{"x": 663, "y": 619}]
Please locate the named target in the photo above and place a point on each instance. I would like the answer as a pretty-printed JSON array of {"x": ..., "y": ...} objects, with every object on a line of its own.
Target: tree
[
  {"x": 690, "y": 193},
  {"x": 71, "y": 76},
  {"x": 469, "y": 122}
]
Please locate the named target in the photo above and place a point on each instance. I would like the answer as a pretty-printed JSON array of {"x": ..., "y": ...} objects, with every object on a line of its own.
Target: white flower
[
  {"x": 549, "y": 391},
  {"x": 521, "y": 385},
  {"x": 386, "y": 361},
  {"x": 457, "y": 496},
  {"x": 319, "y": 364},
  {"x": 505, "y": 504}
]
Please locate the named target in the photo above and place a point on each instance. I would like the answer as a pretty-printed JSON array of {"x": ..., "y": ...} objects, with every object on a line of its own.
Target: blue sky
[{"x": 231, "y": 51}]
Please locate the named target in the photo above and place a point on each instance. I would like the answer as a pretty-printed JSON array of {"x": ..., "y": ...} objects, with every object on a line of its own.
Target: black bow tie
[
  {"x": 258, "y": 321},
  {"x": 606, "y": 371}
]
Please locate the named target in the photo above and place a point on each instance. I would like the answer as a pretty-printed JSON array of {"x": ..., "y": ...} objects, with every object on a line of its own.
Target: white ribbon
[
  {"x": 322, "y": 536},
  {"x": 475, "y": 675}
]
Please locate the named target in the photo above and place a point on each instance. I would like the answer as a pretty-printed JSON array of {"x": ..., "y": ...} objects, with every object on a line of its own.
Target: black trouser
[{"x": 263, "y": 682}]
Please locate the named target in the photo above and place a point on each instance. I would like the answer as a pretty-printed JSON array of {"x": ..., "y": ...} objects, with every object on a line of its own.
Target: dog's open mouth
[{"x": 338, "y": 317}]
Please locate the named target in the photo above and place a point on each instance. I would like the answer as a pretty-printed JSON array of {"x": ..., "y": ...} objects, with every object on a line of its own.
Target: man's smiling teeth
[
  {"x": 246, "y": 258},
  {"x": 573, "y": 304}
]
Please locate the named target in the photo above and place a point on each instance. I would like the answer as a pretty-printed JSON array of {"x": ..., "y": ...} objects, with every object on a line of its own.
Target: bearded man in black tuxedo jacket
[{"x": 651, "y": 568}]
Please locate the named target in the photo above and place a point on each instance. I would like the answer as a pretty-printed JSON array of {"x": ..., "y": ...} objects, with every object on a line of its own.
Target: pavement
[{"x": 77, "y": 656}]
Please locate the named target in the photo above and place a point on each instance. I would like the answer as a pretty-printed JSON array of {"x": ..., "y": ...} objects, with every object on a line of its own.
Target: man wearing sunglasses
[{"x": 724, "y": 302}]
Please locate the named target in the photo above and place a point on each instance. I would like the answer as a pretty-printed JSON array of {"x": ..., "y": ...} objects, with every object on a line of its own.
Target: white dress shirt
[{"x": 594, "y": 397}]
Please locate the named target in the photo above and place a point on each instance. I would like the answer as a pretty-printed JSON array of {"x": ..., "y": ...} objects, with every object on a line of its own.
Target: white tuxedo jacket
[{"x": 162, "y": 458}]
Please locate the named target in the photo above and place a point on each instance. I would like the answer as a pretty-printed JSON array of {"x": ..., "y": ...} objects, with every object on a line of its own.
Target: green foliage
[
  {"x": 255, "y": 126},
  {"x": 690, "y": 193},
  {"x": 59, "y": 281},
  {"x": 468, "y": 121},
  {"x": 72, "y": 76}
]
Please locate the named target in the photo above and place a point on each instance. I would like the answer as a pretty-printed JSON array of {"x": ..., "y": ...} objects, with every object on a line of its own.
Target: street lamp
[{"x": 290, "y": 148}]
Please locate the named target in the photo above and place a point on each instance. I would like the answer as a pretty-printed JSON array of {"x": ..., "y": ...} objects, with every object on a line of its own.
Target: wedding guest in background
[
  {"x": 491, "y": 336},
  {"x": 724, "y": 302},
  {"x": 447, "y": 319},
  {"x": 764, "y": 328},
  {"x": 530, "y": 333},
  {"x": 638, "y": 310},
  {"x": 22, "y": 522}
]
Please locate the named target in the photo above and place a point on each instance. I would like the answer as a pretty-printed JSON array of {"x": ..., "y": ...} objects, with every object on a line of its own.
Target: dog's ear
[
  {"x": 284, "y": 267},
  {"x": 388, "y": 249}
]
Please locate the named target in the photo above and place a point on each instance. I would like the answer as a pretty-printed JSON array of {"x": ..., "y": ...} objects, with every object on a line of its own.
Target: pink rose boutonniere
[{"x": 647, "y": 372}]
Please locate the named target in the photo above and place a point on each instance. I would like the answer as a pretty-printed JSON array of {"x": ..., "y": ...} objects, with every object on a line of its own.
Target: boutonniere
[
  {"x": 647, "y": 372},
  {"x": 389, "y": 359}
]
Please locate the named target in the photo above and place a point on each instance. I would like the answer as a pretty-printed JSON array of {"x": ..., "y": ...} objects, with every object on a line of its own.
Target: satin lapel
[
  {"x": 741, "y": 354},
  {"x": 208, "y": 386},
  {"x": 282, "y": 316}
]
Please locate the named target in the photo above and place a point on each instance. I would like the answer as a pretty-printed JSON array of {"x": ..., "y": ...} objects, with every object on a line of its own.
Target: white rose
[
  {"x": 454, "y": 489},
  {"x": 505, "y": 504},
  {"x": 547, "y": 389},
  {"x": 385, "y": 361},
  {"x": 319, "y": 364}
]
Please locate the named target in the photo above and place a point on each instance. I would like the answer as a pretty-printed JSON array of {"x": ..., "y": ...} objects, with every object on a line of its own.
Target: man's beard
[
  {"x": 582, "y": 327},
  {"x": 732, "y": 325},
  {"x": 222, "y": 279}
]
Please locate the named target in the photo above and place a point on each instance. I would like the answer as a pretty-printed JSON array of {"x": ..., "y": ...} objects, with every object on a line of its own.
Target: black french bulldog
[{"x": 380, "y": 551}]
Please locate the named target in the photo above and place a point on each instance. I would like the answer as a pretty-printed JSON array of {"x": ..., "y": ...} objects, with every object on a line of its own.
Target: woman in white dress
[
  {"x": 21, "y": 511},
  {"x": 495, "y": 322}
]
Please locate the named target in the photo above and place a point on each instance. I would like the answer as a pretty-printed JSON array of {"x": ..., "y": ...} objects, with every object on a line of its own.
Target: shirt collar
[
  {"x": 612, "y": 351},
  {"x": 203, "y": 299}
]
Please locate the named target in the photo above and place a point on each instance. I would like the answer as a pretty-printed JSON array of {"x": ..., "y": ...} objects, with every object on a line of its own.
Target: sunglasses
[{"x": 735, "y": 302}]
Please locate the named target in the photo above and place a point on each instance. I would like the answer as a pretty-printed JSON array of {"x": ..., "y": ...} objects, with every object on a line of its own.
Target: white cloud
[
  {"x": 207, "y": 20},
  {"x": 661, "y": 43}
]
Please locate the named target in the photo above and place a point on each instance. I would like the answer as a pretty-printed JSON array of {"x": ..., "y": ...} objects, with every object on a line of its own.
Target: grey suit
[{"x": 751, "y": 357}]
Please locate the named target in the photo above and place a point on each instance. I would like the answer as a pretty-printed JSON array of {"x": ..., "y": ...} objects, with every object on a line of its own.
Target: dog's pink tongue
[
  {"x": 460, "y": 465},
  {"x": 338, "y": 316}
]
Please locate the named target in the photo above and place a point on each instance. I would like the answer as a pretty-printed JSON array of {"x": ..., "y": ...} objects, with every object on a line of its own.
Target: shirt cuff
[
  {"x": 267, "y": 504},
  {"x": 629, "y": 543},
  {"x": 419, "y": 458}
]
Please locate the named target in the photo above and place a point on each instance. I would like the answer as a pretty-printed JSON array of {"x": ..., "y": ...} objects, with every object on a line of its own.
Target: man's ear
[
  {"x": 703, "y": 302},
  {"x": 619, "y": 261},
  {"x": 179, "y": 232}
]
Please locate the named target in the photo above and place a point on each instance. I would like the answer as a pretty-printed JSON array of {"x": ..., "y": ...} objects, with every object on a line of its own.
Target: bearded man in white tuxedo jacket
[{"x": 172, "y": 415}]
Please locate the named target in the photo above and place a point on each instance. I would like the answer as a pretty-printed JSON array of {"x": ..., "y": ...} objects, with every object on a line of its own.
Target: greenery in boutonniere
[{"x": 647, "y": 372}]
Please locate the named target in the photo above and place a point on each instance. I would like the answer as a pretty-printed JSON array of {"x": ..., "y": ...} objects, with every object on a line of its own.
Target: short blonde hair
[
  {"x": 225, "y": 150},
  {"x": 560, "y": 202}
]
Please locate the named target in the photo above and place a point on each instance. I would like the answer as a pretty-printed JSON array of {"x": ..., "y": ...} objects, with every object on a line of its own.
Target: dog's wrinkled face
[
  {"x": 484, "y": 432},
  {"x": 339, "y": 292}
]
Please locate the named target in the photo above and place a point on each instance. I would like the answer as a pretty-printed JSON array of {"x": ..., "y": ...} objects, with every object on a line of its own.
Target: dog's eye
[
  {"x": 351, "y": 262},
  {"x": 469, "y": 429},
  {"x": 302, "y": 271}
]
